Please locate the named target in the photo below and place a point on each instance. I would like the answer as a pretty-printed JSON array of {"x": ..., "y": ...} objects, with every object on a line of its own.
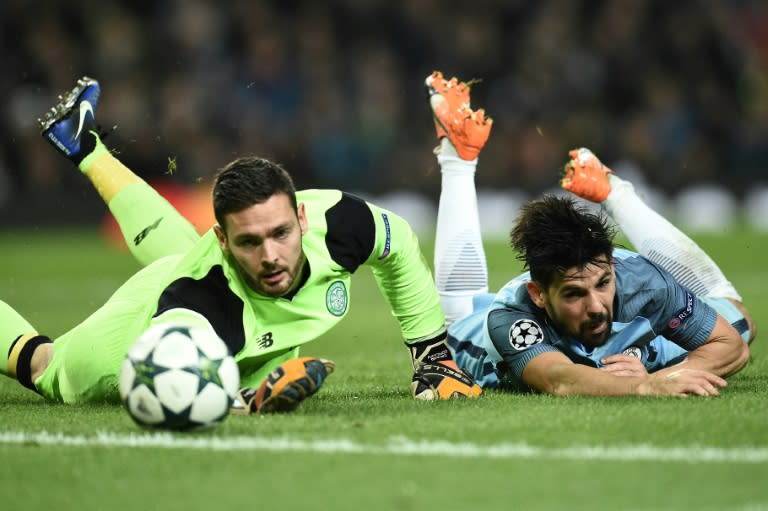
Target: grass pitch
[{"x": 362, "y": 442}]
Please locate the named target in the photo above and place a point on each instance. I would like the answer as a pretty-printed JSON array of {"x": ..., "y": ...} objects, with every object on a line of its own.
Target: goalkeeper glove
[
  {"x": 436, "y": 375},
  {"x": 443, "y": 380},
  {"x": 284, "y": 388}
]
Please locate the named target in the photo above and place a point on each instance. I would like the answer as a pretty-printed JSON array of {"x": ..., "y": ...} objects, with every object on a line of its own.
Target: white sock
[
  {"x": 658, "y": 240},
  {"x": 460, "y": 266}
]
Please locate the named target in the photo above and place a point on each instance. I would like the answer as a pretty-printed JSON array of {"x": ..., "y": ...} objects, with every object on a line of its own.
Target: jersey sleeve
[
  {"x": 351, "y": 231},
  {"x": 360, "y": 233},
  {"x": 690, "y": 322},
  {"x": 404, "y": 277},
  {"x": 675, "y": 312},
  {"x": 518, "y": 338}
]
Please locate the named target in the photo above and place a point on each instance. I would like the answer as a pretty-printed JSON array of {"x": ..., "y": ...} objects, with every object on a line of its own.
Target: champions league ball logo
[{"x": 524, "y": 334}]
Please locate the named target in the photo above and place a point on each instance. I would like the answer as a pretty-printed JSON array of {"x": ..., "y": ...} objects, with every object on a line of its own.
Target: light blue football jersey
[{"x": 655, "y": 319}]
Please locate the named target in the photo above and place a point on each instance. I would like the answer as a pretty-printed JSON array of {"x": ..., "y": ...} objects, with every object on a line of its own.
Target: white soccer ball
[{"x": 178, "y": 377}]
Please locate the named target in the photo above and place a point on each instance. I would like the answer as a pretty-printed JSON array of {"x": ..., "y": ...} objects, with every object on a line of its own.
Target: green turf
[{"x": 56, "y": 278}]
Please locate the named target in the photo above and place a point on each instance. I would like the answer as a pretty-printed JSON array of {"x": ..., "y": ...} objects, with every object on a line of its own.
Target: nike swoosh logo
[{"x": 85, "y": 107}]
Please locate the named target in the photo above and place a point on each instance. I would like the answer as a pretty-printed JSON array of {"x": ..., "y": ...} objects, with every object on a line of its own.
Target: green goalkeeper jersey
[{"x": 201, "y": 286}]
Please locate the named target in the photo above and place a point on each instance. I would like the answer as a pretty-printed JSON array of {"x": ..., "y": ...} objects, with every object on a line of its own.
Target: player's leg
[
  {"x": 461, "y": 272},
  {"x": 22, "y": 349},
  {"x": 460, "y": 265},
  {"x": 85, "y": 366},
  {"x": 152, "y": 228},
  {"x": 652, "y": 235}
]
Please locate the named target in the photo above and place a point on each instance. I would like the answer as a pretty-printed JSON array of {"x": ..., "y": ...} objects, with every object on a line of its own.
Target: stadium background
[{"x": 333, "y": 90}]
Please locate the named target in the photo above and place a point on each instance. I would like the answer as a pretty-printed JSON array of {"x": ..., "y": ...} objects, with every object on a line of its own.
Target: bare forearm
[
  {"x": 580, "y": 380},
  {"x": 719, "y": 357},
  {"x": 569, "y": 379},
  {"x": 723, "y": 354}
]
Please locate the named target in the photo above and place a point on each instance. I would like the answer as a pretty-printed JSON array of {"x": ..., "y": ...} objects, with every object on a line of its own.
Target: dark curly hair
[{"x": 553, "y": 234}]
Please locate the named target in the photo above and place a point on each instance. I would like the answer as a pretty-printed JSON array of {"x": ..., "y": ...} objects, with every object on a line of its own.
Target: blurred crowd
[{"x": 334, "y": 89}]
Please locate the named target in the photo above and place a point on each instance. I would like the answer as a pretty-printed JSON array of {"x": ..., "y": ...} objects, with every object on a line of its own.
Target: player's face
[
  {"x": 580, "y": 303},
  {"x": 264, "y": 243}
]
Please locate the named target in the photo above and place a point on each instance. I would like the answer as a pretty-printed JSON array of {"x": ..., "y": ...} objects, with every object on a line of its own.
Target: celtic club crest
[{"x": 336, "y": 298}]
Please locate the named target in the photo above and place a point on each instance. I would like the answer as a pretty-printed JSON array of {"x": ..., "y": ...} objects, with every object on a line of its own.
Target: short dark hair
[
  {"x": 553, "y": 234},
  {"x": 247, "y": 181}
]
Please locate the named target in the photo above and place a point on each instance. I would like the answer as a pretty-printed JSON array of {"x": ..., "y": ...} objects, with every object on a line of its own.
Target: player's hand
[
  {"x": 443, "y": 380},
  {"x": 624, "y": 365},
  {"x": 244, "y": 402},
  {"x": 285, "y": 388},
  {"x": 682, "y": 383}
]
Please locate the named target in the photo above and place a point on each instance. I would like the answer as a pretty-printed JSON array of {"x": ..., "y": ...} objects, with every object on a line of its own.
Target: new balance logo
[
  {"x": 143, "y": 234},
  {"x": 265, "y": 341}
]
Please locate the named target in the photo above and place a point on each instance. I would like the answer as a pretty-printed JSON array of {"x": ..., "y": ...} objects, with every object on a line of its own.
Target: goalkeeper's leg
[
  {"x": 23, "y": 353},
  {"x": 152, "y": 228},
  {"x": 83, "y": 364}
]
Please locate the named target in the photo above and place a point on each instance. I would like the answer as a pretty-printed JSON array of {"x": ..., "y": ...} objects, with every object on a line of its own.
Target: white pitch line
[{"x": 397, "y": 446}]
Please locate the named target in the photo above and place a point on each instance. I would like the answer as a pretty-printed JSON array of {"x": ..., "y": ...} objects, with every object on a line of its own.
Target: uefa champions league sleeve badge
[{"x": 524, "y": 333}]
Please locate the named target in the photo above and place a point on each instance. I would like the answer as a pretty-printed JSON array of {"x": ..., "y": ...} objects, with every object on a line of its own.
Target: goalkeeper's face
[{"x": 264, "y": 242}]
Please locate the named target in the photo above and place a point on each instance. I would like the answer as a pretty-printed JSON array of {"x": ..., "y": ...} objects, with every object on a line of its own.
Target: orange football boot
[
  {"x": 584, "y": 175},
  {"x": 468, "y": 130}
]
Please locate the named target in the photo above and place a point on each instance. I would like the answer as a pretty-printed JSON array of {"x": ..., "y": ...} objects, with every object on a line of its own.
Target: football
[{"x": 178, "y": 378}]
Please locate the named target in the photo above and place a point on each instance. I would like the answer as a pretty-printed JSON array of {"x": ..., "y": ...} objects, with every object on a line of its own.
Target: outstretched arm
[
  {"x": 362, "y": 233},
  {"x": 403, "y": 276},
  {"x": 724, "y": 353},
  {"x": 554, "y": 373}
]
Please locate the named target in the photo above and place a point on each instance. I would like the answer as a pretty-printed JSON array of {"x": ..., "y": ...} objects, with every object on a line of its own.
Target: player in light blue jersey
[{"x": 588, "y": 318}]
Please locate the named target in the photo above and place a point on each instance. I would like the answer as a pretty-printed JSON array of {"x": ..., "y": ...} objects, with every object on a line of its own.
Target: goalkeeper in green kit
[{"x": 272, "y": 275}]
